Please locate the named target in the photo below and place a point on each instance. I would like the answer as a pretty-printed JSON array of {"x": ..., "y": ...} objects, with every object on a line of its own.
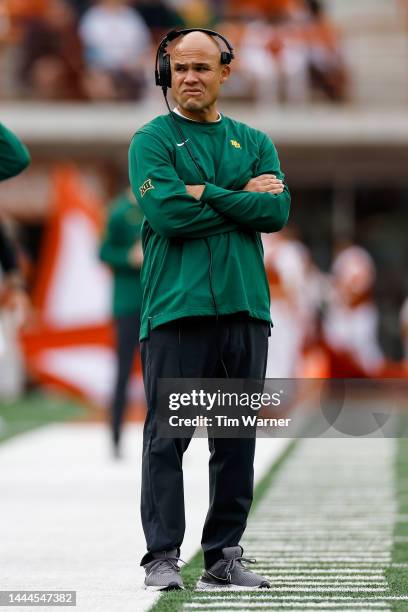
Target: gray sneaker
[
  {"x": 163, "y": 573},
  {"x": 231, "y": 574}
]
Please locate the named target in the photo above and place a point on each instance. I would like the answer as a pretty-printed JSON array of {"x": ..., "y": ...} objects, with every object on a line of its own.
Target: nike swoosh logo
[{"x": 180, "y": 144}]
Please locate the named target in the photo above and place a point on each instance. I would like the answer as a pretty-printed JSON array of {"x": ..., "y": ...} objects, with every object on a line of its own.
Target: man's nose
[{"x": 191, "y": 76}]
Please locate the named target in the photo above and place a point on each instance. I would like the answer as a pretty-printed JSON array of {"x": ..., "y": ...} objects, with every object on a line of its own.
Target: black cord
[
  {"x": 201, "y": 178},
  {"x": 215, "y": 307},
  {"x": 183, "y": 138}
]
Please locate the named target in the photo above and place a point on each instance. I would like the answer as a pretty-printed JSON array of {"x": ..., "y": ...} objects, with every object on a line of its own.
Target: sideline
[{"x": 70, "y": 514}]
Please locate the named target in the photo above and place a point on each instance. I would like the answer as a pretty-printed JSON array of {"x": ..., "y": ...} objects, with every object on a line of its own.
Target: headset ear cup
[
  {"x": 225, "y": 57},
  {"x": 165, "y": 71}
]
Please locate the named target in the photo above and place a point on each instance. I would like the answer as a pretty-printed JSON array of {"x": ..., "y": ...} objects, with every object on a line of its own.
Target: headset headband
[{"x": 162, "y": 67}]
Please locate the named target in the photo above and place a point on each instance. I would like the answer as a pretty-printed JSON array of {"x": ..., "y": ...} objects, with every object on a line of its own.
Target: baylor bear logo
[{"x": 146, "y": 186}]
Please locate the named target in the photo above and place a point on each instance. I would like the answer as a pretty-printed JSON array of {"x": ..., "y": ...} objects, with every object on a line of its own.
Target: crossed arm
[{"x": 174, "y": 209}]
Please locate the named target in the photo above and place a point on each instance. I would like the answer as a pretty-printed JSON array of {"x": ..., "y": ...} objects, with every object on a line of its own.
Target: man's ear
[{"x": 225, "y": 72}]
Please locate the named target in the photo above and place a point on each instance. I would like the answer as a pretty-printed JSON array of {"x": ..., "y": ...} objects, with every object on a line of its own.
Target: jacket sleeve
[
  {"x": 162, "y": 195},
  {"x": 112, "y": 250},
  {"x": 263, "y": 212},
  {"x": 14, "y": 157}
]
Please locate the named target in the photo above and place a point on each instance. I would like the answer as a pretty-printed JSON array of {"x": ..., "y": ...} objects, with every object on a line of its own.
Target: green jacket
[
  {"x": 195, "y": 251},
  {"x": 14, "y": 157},
  {"x": 122, "y": 231}
]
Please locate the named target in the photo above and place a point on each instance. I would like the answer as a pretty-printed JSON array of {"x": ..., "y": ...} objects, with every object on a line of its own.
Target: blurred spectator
[
  {"x": 284, "y": 50},
  {"x": 121, "y": 249},
  {"x": 197, "y": 13},
  {"x": 80, "y": 6},
  {"x": 351, "y": 323},
  {"x": 159, "y": 16},
  {"x": 20, "y": 11},
  {"x": 278, "y": 61},
  {"x": 296, "y": 288},
  {"x": 272, "y": 10},
  {"x": 404, "y": 329},
  {"x": 51, "y": 55},
  {"x": 326, "y": 64},
  {"x": 116, "y": 42}
]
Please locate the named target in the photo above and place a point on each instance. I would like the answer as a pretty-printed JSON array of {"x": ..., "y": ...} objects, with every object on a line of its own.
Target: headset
[
  {"x": 163, "y": 79},
  {"x": 162, "y": 66}
]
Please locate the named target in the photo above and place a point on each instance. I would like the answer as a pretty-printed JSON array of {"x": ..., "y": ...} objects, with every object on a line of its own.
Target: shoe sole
[
  {"x": 206, "y": 586},
  {"x": 173, "y": 586}
]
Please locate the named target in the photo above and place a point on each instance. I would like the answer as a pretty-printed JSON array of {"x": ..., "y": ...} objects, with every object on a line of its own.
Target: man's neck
[{"x": 203, "y": 116}]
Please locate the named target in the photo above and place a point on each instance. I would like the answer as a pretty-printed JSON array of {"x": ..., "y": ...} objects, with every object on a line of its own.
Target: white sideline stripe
[
  {"x": 349, "y": 559},
  {"x": 300, "y": 607},
  {"x": 341, "y": 550},
  {"x": 358, "y": 602},
  {"x": 340, "y": 598},
  {"x": 330, "y": 590},
  {"x": 358, "y": 566},
  {"x": 358, "y": 574},
  {"x": 321, "y": 582},
  {"x": 237, "y": 604},
  {"x": 322, "y": 525},
  {"x": 316, "y": 536},
  {"x": 66, "y": 471},
  {"x": 316, "y": 605},
  {"x": 305, "y": 578}
]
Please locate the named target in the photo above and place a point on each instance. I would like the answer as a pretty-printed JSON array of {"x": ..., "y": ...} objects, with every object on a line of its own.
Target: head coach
[{"x": 208, "y": 185}]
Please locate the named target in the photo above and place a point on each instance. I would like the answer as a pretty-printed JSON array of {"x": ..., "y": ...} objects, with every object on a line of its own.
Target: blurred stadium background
[{"x": 327, "y": 80}]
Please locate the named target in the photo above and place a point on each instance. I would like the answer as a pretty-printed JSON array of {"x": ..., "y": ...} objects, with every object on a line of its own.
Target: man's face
[{"x": 196, "y": 71}]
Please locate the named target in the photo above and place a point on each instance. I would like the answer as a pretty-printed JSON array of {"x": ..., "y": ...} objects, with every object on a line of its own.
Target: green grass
[
  {"x": 36, "y": 410},
  {"x": 173, "y": 600},
  {"x": 398, "y": 577}
]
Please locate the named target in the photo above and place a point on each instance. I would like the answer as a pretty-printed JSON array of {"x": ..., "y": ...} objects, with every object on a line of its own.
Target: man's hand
[
  {"x": 195, "y": 190},
  {"x": 265, "y": 183}
]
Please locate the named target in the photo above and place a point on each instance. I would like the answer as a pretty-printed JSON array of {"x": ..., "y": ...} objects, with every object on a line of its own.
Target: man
[
  {"x": 14, "y": 158},
  {"x": 205, "y": 311},
  {"x": 121, "y": 249}
]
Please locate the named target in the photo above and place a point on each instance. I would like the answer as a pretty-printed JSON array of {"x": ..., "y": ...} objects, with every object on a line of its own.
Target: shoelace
[
  {"x": 229, "y": 567},
  {"x": 173, "y": 561}
]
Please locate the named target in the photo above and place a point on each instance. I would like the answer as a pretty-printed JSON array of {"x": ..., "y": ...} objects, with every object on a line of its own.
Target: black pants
[
  {"x": 127, "y": 341},
  {"x": 191, "y": 348}
]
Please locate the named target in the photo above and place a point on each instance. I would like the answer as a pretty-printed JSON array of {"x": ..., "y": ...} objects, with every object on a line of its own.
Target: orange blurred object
[
  {"x": 22, "y": 9},
  {"x": 268, "y": 8}
]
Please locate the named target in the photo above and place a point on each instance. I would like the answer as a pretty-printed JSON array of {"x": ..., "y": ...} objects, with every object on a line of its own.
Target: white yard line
[{"x": 70, "y": 514}]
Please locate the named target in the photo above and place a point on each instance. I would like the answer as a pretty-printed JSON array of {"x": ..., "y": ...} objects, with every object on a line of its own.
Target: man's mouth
[{"x": 192, "y": 92}]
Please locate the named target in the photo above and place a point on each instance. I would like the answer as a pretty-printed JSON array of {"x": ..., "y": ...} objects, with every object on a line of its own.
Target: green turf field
[
  {"x": 329, "y": 528},
  {"x": 35, "y": 410}
]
